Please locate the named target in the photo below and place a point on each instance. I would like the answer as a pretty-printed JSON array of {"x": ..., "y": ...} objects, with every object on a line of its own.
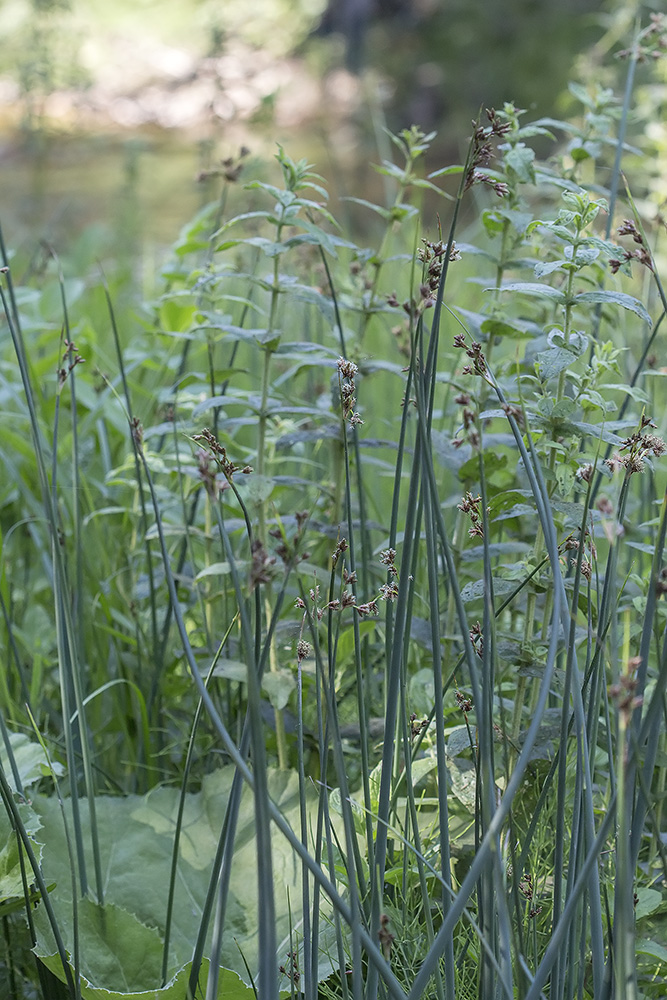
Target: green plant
[{"x": 404, "y": 580}]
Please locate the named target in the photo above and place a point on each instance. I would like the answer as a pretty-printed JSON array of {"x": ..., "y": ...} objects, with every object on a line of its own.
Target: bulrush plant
[{"x": 333, "y": 592}]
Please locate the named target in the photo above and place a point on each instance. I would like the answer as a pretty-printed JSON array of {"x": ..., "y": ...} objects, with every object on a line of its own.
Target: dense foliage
[{"x": 333, "y": 591}]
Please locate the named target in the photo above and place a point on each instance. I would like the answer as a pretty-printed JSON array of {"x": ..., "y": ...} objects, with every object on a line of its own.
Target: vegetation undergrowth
[{"x": 332, "y": 590}]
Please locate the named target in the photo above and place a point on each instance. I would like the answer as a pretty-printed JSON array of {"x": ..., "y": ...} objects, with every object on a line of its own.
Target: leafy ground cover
[{"x": 333, "y": 591}]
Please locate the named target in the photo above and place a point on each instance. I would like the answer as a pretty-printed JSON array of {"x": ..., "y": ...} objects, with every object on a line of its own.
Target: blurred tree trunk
[{"x": 351, "y": 18}]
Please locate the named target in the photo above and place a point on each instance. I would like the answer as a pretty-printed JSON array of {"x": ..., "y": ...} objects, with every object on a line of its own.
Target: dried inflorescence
[
  {"x": 417, "y": 727},
  {"x": 347, "y": 371},
  {"x": 482, "y": 151},
  {"x": 341, "y": 547},
  {"x": 463, "y": 701},
  {"x": 527, "y": 889},
  {"x": 388, "y": 559},
  {"x": 303, "y": 650},
  {"x": 291, "y": 968},
  {"x": 432, "y": 256},
  {"x": 514, "y": 413},
  {"x": 474, "y": 352},
  {"x": 230, "y": 168},
  {"x": 638, "y": 447},
  {"x": 262, "y": 565},
  {"x": 641, "y": 254},
  {"x": 584, "y": 473},
  {"x": 219, "y": 455},
  {"x": 471, "y": 506},
  {"x": 477, "y": 639},
  {"x": 71, "y": 358},
  {"x": 287, "y": 547},
  {"x": 137, "y": 433},
  {"x": 651, "y": 43}
]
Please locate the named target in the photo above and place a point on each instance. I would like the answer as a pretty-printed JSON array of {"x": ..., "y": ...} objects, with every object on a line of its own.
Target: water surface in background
[{"x": 141, "y": 186}]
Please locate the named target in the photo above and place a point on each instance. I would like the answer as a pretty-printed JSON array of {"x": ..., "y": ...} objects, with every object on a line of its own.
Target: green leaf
[
  {"x": 30, "y": 759},
  {"x": 215, "y": 569},
  {"x": 648, "y": 901},
  {"x": 231, "y": 670},
  {"x": 533, "y": 289},
  {"x": 520, "y": 160},
  {"x": 279, "y": 685},
  {"x": 617, "y": 299},
  {"x": 446, "y": 171},
  {"x": 475, "y": 591},
  {"x": 230, "y": 985},
  {"x": 581, "y": 94},
  {"x": 462, "y": 775},
  {"x": 550, "y": 363},
  {"x": 118, "y": 952},
  {"x": 136, "y": 841},
  {"x": 384, "y": 212},
  {"x": 256, "y": 488},
  {"x": 458, "y": 742},
  {"x": 501, "y": 328},
  {"x": 644, "y": 946},
  {"x": 11, "y": 880},
  {"x": 542, "y": 269}
]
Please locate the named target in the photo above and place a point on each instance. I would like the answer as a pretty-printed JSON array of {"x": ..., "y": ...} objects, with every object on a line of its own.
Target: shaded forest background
[{"x": 101, "y": 100}]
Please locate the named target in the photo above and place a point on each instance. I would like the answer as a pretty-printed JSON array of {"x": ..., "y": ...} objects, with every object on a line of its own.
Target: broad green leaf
[
  {"x": 644, "y": 946},
  {"x": 279, "y": 685},
  {"x": 520, "y": 159},
  {"x": 136, "y": 840},
  {"x": 552, "y": 362},
  {"x": 458, "y": 741},
  {"x": 533, "y": 289},
  {"x": 256, "y": 488},
  {"x": 462, "y": 776},
  {"x": 118, "y": 952},
  {"x": 11, "y": 880},
  {"x": 648, "y": 901},
  {"x": 422, "y": 767},
  {"x": 230, "y": 986},
  {"x": 542, "y": 270},
  {"x": 231, "y": 670},
  {"x": 475, "y": 591},
  {"x": 215, "y": 569},
  {"x": 503, "y": 328},
  {"x": 616, "y": 299},
  {"x": 30, "y": 760}
]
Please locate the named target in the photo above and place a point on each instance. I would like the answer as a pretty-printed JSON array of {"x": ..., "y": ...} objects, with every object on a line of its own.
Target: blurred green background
[{"x": 110, "y": 111}]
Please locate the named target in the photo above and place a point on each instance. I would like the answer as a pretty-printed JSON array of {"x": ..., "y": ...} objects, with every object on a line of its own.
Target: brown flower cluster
[
  {"x": 470, "y": 505},
  {"x": 71, "y": 358},
  {"x": 638, "y": 447},
  {"x": 464, "y": 702},
  {"x": 482, "y": 152},
  {"x": 347, "y": 371},
  {"x": 475, "y": 353},
  {"x": 641, "y": 254},
  {"x": 417, "y": 726},
  {"x": 230, "y": 168},
  {"x": 651, "y": 43},
  {"x": 262, "y": 565},
  {"x": 287, "y": 547},
  {"x": 219, "y": 454},
  {"x": 469, "y": 418},
  {"x": 432, "y": 256},
  {"x": 477, "y": 639}
]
